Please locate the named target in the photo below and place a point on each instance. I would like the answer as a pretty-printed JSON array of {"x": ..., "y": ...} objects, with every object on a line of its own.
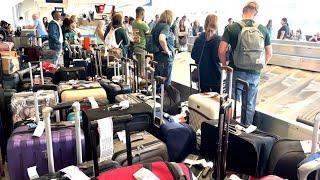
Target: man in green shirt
[
  {"x": 230, "y": 36},
  {"x": 140, "y": 29}
]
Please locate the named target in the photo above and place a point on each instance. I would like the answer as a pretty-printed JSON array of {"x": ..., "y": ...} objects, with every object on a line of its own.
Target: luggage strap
[{"x": 176, "y": 171}]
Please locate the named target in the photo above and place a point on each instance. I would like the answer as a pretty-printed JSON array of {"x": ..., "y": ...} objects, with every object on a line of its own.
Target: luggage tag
[
  {"x": 93, "y": 102},
  {"x": 145, "y": 174},
  {"x": 122, "y": 136},
  {"x": 39, "y": 129},
  {"x": 307, "y": 145},
  {"x": 32, "y": 173},
  {"x": 74, "y": 173},
  {"x": 105, "y": 128}
]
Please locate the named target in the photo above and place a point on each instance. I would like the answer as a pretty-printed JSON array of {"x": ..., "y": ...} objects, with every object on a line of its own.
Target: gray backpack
[{"x": 249, "y": 53}]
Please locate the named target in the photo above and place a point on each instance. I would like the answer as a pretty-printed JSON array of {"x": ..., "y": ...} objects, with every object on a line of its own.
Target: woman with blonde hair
[
  {"x": 99, "y": 33},
  {"x": 205, "y": 54},
  {"x": 164, "y": 39}
]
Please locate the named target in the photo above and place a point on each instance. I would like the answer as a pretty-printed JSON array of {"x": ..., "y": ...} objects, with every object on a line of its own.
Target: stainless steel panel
[
  {"x": 296, "y": 50},
  {"x": 309, "y": 64}
]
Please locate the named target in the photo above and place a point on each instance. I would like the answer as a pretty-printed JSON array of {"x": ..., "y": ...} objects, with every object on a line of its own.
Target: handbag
[{"x": 195, "y": 74}]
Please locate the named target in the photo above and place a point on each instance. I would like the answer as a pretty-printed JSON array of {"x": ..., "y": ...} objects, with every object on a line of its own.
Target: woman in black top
[
  {"x": 45, "y": 22},
  {"x": 283, "y": 32},
  {"x": 205, "y": 53}
]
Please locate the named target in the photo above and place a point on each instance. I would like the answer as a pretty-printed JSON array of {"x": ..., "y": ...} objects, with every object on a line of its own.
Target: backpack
[
  {"x": 151, "y": 46},
  {"x": 110, "y": 39},
  {"x": 249, "y": 53}
]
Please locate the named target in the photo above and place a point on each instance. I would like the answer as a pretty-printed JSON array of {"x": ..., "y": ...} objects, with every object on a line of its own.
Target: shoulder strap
[
  {"x": 255, "y": 24},
  {"x": 242, "y": 24}
]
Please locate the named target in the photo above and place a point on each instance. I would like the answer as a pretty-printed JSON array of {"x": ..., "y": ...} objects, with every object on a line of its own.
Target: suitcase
[
  {"x": 180, "y": 138},
  {"x": 83, "y": 63},
  {"x": 202, "y": 171},
  {"x": 254, "y": 148},
  {"x": 9, "y": 53},
  {"x": 47, "y": 54},
  {"x": 112, "y": 88},
  {"x": 162, "y": 170},
  {"x": 35, "y": 78},
  {"x": 72, "y": 73},
  {"x": 23, "y": 104},
  {"x": 72, "y": 91},
  {"x": 33, "y": 53},
  {"x": 10, "y": 64},
  {"x": 6, "y": 46},
  {"x": 204, "y": 107},
  {"x": 145, "y": 149},
  {"x": 25, "y": 150},
  {"x": 85, "y": 167},
  {"x": 142, "y": 118}
]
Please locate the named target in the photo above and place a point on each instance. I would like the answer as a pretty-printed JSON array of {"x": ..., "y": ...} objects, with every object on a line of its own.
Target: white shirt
[{"x": 60, "y": 30}]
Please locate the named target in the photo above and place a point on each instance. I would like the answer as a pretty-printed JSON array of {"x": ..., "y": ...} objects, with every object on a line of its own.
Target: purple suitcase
[{"x": 25, "y": 150}]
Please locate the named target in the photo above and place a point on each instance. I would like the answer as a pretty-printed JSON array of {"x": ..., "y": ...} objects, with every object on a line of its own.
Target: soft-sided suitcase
[
  {"x": 113, "y": 89},
  {"x": 25, "y": 150},
  {"x": 180, "y": 138},
  {"x": 69, "y": 73},
  {"x": 72, "y": 91},
  {"x": 162, "y": 170},
  {"x": 142, "y": 118},
  {"x": 145, "y": 147},
  {"x": 83, "y": 63},
  {"x": 10, "y": 64},
  {"x": 254, "y": 148}
]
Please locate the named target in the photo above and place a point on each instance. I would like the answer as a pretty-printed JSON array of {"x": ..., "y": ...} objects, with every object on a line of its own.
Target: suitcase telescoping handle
[
  {"x": 46, "y": 116},
  {"x": 154, "y": 89},
  {"x": 315, "y": 137},
  {"x": 244, "y": 98},
  {"x": 225, "y": 71},
  {"x": 76, "y": 110},
  {"x": 160, "y": 80},
  {"x": 93, "y": 132},
  {"x": 41, "y": 72}
]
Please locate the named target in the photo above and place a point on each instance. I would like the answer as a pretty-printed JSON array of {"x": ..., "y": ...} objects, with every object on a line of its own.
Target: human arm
[
  {"x": 268, "y": 53},
  {"x": 222, "y": 52},
  {"x": 282, "y": 33},
  {"x": 163, "y": 40}
]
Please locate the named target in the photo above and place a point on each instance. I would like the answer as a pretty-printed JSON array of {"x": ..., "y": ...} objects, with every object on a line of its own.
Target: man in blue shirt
[{"x": 39, "y": 26}]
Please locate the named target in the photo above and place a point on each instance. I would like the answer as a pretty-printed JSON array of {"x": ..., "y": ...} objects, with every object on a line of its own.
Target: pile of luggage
[{"x": 95, "y": 119}]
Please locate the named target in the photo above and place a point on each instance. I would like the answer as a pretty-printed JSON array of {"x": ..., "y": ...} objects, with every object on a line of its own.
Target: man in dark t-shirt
[{"x": 230, "y": 36}]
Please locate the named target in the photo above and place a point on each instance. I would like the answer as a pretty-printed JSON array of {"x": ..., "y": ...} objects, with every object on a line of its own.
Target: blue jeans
[
  {"x": 253, "y": 80},
  {"x": 164, "y": 69}
]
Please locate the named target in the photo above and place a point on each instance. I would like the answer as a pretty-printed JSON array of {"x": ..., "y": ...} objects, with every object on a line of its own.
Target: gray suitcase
[{"x": 145, "y": 149}]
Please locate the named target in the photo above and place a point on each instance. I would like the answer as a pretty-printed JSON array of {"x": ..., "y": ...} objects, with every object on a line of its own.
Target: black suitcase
[
  {"x": 113, "y": 89},
  {"x": 72, "y": 73},
  {"x": 247, "y": 153},
  {"x": 142, "y": 119},
  {"x": 83, "y": 63}
]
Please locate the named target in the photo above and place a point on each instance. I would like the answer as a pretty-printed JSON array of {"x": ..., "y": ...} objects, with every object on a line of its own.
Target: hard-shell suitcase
[
  {"x": 85, "y": 167},
  {"x": 145, "y": 147},
  {"x": 204, "y": 107},
  {"x": 6, "y": 46},
  {"x": 33, "y": 53},
  {"x": 72, "y": 91},
  {"x": 114, "y": 89},
  {"x": 83, "y": 63},
  {"x": 162, "y": 170},
  {"x": 25, "y": 150}
]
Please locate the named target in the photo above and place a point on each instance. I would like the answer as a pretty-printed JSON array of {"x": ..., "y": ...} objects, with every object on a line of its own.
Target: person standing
[
  {"x": 183, "y": 33},
  {"x": 164, "y": 39},
  {"x": 283, "y": 32},
  {"x": 39, "y": 26},
  {"x": 20, "y": 23},
  {"x": 196, "y": 28},
  {"x": 45, "y": 22},
  {"x": 56, "y": 37},
  {"x": 269, "y": 27},
  {"x": 153, "y": 23},
  {"x": 205, "y": 54},
  {"x": 140, "y": 29},
  {"x": 251, "y": 75}
]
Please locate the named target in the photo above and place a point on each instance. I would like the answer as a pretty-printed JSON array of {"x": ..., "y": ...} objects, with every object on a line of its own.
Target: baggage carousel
[{"x": 289, "y": 91}]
